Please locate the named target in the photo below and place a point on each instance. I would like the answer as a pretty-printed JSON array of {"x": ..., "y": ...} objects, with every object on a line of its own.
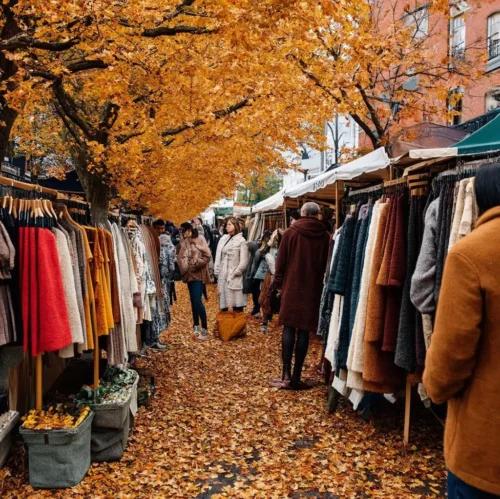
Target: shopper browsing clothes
[
  {"x": 269, "y": 299},
  {"x": 462, "y": 365},
  {"x": 298, "y": 279},
  {"x": 193, "y": 256},
  {"x": 257, "y": 272},
  {"x": 230, "y": 264}
]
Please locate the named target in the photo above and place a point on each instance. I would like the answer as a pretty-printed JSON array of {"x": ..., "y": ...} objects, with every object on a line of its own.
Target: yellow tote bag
[{"x": 231, "y": 325}]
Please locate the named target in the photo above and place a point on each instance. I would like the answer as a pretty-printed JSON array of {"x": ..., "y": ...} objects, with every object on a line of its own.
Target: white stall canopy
[
  {"x": 274, "y": 202},
  {"x": 362, "y": 169}
]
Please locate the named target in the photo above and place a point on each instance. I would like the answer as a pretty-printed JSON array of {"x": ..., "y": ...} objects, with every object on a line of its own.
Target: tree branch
[
  {"x": 177, "y": 30},
  {"x": 22, "y": 40},
  {"x": 69, "y": 108},
  {"x": 110, "y": 115},
  {"x": 122, "y": 139},
  {"x": 85, "y": 65},
  {"x": 218, "y": 115}
]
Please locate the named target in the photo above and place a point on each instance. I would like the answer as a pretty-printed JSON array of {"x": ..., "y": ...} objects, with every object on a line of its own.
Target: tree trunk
[
  {"x": 7, "y": 118},
  {"x": 8, "y": 69},
  {"x": 97, "y": 191}
]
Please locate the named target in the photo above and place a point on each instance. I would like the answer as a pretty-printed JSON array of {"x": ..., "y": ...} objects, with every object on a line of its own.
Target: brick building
[
  {"x": 473, "y": 29},
  {"x": 476, "y": 24}
]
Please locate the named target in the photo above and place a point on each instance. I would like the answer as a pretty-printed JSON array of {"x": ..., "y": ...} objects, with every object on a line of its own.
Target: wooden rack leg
[
  {"x": 38, "y": 383},
  {"x": 97, "y": 358},
  {"x": 407, "y": 411}
]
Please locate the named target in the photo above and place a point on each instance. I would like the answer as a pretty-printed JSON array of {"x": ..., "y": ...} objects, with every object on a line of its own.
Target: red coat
[
  {"x": 300, "y": 271},
  {"x": 45, "y": 316}
]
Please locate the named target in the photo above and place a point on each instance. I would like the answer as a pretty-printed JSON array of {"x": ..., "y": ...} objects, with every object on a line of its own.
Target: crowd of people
[{"x": 284, "y": 272}]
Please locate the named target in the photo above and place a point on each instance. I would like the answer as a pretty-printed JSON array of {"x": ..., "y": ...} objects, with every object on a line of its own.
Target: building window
[
  {"x": 457, "y": 36},
  {"x": 494, "y": 36},
  {"x": 419, "y": 20},
  {"x": 454, "y": 104},
  {"x": 492, "y": 99}
]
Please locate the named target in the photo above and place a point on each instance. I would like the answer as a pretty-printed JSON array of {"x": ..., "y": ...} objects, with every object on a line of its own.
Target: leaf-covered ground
[{"x": 215, "y": 430}]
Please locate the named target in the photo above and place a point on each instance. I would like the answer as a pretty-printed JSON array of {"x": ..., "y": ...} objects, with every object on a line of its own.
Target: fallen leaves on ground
[{"x": 215, "y": 429}]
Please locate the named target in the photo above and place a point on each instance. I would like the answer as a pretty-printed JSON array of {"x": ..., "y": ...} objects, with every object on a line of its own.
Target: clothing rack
[
  {"x": 366, "y": 190},
  {"x": 40, "y": 194}
]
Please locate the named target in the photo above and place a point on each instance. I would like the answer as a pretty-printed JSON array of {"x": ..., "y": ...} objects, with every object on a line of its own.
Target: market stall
[
  {"x": 71, "y": 289},
  {"x": 379, "y": 298}
]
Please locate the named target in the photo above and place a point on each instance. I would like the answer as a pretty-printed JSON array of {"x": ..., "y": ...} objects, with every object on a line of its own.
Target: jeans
[
  {"x": 197, "y": 307},
  {"x": 458, "y": 489}
]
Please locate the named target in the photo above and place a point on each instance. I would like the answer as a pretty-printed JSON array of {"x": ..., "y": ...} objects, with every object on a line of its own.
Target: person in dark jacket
[
  {"x": 300, "y": 270},
  {"x": 254, "y": 276}
]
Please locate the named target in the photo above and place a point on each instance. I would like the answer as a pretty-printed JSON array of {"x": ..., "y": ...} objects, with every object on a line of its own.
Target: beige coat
[{"x": 230, "y": 264}]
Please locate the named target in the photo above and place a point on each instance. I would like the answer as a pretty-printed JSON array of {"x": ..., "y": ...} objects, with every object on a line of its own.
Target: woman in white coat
[{"x": 230, "y": 264}]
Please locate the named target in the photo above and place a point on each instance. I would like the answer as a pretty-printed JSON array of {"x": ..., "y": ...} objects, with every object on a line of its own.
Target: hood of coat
[{"x": 310, "y": 227}]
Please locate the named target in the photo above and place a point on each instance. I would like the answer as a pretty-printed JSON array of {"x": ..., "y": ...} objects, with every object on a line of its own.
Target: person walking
[
  {"x": 230, "y": 264},
  {"x": 300, "y": 269},
  {"x": 256, "y": 272},
  {"x": 203, "y": 230},
  {"x": 253, "y": 247},
  {"x": 269, "y": 301},
  {"x": 462, "y": 366},
  {"x": 193, "y": 257}
]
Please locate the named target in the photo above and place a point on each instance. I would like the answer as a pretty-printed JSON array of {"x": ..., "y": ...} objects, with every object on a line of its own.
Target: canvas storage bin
[
  {"x": 114, "y": 415},
  {"x": 58, "y": 458},
  {"x": 108, "y": 445},
  {"x": 6, "y": 432}
]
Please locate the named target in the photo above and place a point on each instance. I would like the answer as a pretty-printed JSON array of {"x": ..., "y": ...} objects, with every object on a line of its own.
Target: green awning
[{"x": 485, "y": 139}]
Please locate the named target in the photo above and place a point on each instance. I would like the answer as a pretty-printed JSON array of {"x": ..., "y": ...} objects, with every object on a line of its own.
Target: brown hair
[{"x": 236, "y": 224}]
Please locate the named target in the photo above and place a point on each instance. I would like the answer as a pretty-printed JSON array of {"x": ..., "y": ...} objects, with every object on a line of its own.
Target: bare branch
[
  {"x": 177, "y": 30},
  {"x": 85, "y": 65},
  {"x": 22, "y": 40},
  {"x": 218, "y": 115}
]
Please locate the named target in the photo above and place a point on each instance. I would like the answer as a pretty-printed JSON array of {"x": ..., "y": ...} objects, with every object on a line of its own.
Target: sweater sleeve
[
  {"x": 244, "y": 258},
  {"x": 452, "y": 354},
  {"x": 218, "y": 255},
  {"x": 424, "y": 277},
  {"x": 271, "y": 262},
  {"x": 204, "y": 256}
]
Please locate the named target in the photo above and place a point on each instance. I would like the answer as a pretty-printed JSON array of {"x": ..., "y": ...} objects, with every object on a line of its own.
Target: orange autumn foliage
[{"x": 174, "y": 103}]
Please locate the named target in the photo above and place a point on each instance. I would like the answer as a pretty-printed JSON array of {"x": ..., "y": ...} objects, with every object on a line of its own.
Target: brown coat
[
  {"x": 193, "y": 255},
  {"x": 462, "y": 365},
  {"x": 380, "y": 374},
  {"x": 300, "y": 270}
]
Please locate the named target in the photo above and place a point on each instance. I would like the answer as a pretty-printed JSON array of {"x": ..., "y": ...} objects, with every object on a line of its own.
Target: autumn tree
[
  {"x": 386, "y": 71},
  {"x": 157, "y": 95}
]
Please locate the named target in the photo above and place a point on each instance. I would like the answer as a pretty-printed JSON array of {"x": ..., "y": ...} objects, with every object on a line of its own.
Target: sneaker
[
  {"x": 197, "y": 330},
  {"x": 203, "y": 335},
  {"x": 263, "y": 329},
  {"x": 158, "y": 346},
  {"x": 256, "y": 315}
]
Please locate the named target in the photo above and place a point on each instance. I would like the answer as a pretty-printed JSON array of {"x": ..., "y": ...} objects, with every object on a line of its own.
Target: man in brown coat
[
  {"x": 300, "y": 270},
  {"x": 463, "y": 361}
]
